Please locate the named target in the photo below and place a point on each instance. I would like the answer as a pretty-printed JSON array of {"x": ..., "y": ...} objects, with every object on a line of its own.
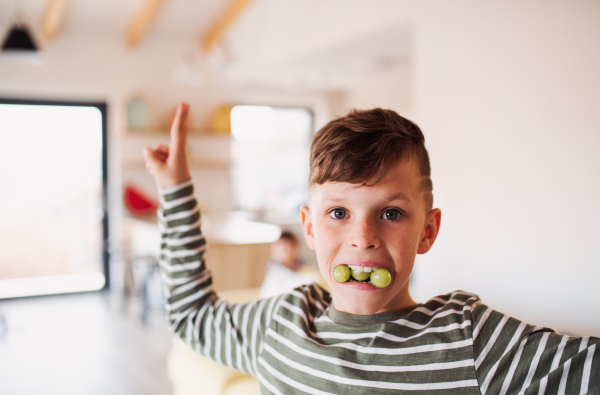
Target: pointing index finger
[{"x": 179, "y": 127}]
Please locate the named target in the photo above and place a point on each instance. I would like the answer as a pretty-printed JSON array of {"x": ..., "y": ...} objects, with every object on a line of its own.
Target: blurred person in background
[{"x": 285, "y": 270}]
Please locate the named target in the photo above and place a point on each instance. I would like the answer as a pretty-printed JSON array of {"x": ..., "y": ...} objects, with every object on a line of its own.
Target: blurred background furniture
[
  {"x": 237, "y": 255},
  {"x": 238, "y": 250}
]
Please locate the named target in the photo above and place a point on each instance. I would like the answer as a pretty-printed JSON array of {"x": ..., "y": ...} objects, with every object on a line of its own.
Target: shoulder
[
  {"x": 457, "y": 300},
  {"x": 307, "y": 297},
  {"x": 454, "y": 309},
  {"x": 312, "y": 291}
]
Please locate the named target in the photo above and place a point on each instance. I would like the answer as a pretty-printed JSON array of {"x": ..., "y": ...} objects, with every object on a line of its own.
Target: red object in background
[{"x": 139, "y": 203}]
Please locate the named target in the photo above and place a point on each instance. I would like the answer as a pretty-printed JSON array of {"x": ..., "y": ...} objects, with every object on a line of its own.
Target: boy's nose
[{"x": 364, "y": 236}]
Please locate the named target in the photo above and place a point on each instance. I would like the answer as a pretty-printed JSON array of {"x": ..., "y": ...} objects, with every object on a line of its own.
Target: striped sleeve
[
  {"x": 231, "y": 334},
  {"x": 512, "y": 357}
]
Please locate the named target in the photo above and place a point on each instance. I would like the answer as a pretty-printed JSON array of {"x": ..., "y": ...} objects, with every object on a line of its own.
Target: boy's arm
[
  {"x": 229, "y": 334},
  {"x": 513, "y": 357}
]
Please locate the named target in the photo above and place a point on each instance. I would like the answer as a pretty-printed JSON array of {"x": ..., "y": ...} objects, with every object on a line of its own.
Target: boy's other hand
[{"x": 169, "y": 165}]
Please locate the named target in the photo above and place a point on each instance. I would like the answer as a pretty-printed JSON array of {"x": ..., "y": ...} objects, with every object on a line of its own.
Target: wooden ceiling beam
[
  {"x": 223, "y": 21},
  {"x": 142, "y": 21},
  {"x": 53, "y": 17}
]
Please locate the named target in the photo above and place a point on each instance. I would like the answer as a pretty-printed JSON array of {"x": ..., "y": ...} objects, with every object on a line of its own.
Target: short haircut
[
  {"x": 289, "y": 236},
  {"x": 363, "y": 146}
]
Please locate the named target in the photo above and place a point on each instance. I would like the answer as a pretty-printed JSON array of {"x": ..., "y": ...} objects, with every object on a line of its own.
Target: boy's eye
[
  {"x": 338, "y": 213},
  {"x": 391, "y": 214}
]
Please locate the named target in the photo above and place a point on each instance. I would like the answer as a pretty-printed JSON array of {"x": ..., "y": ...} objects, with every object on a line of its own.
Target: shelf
[
  {"x": 165, "y": 132},
  {"x": 205, "y": 152},
  {"x": 195, "y": 164}
]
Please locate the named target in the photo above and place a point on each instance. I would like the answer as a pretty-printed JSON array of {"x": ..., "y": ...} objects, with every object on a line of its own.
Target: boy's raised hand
[{"x": 169, "y": 165}]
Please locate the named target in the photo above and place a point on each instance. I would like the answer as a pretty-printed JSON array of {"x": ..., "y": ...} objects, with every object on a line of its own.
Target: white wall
[{"x": 508, "y": 94}]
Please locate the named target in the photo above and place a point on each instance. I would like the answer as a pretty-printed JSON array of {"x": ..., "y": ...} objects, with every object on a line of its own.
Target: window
[
  {"x": 53, "y": 206},
  {"x": 270, "y": 160}
]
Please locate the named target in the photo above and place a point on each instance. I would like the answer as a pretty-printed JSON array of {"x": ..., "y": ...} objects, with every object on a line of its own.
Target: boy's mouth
[{"x": 378, "y": 277}]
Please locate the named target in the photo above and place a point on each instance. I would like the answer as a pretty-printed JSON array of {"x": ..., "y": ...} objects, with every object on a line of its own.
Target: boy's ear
[
  {"x": 430, "y": 231},
  {"x": 307, "y": 227}
]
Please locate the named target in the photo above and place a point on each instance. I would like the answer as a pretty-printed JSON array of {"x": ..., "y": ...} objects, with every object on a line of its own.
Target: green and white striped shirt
[{"x": 297, "y": 343}]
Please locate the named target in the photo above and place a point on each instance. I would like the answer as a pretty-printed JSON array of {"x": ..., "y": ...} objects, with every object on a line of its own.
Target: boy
[{"x": 369, "y": 208}]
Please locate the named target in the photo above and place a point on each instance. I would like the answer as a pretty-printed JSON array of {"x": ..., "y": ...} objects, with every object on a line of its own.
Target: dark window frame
[{"x": 103, "y": 108}]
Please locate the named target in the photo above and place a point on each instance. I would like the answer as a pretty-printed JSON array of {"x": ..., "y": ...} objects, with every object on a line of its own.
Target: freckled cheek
[
  {"x": 327, "y": 243},
  {"x": 404, "y": 246}
]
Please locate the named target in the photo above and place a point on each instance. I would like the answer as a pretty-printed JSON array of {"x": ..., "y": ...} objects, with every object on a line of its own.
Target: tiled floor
[{"x": 89, "y": 343}]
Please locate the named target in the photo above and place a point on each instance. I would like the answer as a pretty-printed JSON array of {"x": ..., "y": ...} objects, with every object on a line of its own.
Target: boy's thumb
[{"x": 151, "y": 157}]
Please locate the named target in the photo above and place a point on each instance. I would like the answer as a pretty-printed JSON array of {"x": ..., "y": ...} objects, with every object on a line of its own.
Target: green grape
[
  {"x": 381, "y": 278},
  {"x": 360, "y": 276},
  {"x": 341, "y": 273}
]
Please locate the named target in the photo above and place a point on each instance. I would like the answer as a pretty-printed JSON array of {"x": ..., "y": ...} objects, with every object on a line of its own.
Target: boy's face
[{"x": 381, "y": 226}]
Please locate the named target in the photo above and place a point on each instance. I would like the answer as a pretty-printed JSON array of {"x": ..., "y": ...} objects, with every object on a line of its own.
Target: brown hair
[
  {"x": 289, "y": 236},
  {"x": 361, "y": 147}
]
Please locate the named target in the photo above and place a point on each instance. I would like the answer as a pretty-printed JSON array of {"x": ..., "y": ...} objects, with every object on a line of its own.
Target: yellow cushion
[{"x": 243, "y": 386}]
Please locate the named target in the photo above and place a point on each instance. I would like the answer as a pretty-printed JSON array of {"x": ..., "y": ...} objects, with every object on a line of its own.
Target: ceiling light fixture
[
  {"x": 19, "y": 40},
  {"x": 19, "y": 43}
]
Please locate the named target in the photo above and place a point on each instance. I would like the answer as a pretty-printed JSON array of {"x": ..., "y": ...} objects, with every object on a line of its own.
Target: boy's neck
[{"x": 402, "y": 301}]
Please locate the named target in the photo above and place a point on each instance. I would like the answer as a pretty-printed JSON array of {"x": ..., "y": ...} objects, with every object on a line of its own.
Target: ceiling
[
  {"x": 328, "y": 64},
  {"x": 337, "y": 65},
  {"x": 175, "y": 19}
]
